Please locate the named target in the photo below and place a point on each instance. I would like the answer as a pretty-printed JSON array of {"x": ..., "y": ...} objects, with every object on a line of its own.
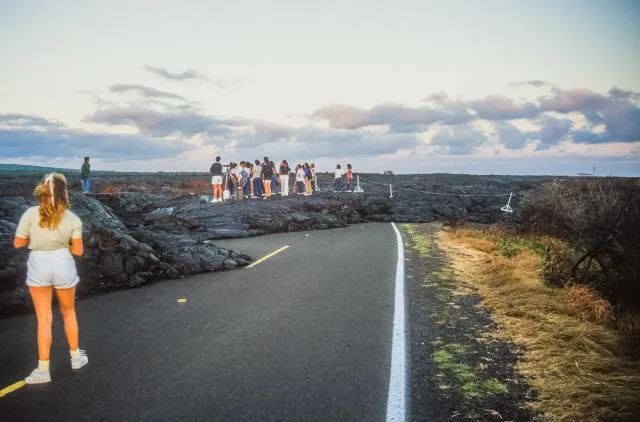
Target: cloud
[
  {"x": 437, "y": 97},
  {"x": 187, "y": 74},
  {"x": 225, "y": 83},
  {"x": 157, "y": 123},
  {"x": 499, "y": 107},
  {"x": 512, "y": 137},
  {"x": 535, "y": 83},
  {"x": 51, "y": 140},
  {"x": 222, "y": 83},
  {"x": 573, "y": 120},
  {"x": 618, "y": 111},
  {"x": 342, "y": 116},
  {"x": 144, "y": 91},
  {"x": 553, "y": 131},
  {"x": 623, "y": 94},
  {"x": 574, "y": 100},
  {"x": 27, "y": 120},
  {"x": 458, "y": 140}
]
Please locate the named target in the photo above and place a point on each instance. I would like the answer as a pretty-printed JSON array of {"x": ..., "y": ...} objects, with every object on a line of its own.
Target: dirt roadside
[{"x": 457, "y": 371}]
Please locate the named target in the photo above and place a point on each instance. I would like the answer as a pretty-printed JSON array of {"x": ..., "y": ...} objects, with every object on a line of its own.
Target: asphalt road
[{"x": 305, "y": 335}]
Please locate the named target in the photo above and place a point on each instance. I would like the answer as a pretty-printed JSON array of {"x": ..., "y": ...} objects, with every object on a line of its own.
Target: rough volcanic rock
[{"x": 157, "y": 225}]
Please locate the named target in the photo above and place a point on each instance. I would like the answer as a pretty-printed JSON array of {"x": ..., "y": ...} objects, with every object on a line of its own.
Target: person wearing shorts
[
  {"x": 53, "y": 235},
  {"x": 216, "y": 180},
  {"x": 349, "y": 177}
]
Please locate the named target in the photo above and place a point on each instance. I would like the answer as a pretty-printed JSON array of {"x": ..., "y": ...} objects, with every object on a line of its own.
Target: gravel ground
[{"x": 457, "y": 371}]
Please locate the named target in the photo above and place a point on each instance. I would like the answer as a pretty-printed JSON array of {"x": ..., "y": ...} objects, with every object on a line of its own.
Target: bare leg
[
  {"x": 41, "y": 297},
  {"x": 67, "y": 300}
]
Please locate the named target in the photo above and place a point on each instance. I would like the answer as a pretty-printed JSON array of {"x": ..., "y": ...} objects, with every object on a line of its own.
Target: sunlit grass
[
  {"x": 451, "y": 359},
  {"x": 571, "y": 355}
]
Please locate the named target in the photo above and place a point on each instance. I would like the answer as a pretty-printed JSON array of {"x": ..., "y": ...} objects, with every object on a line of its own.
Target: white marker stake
[
  {"x": 396, "y": 399},
  {"x": 390, "y": 191},
  {"x": 358, "y": 189}
]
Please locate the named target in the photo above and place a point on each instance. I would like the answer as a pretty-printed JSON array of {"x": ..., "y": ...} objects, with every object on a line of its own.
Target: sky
[{"x": 459, "y": 86}]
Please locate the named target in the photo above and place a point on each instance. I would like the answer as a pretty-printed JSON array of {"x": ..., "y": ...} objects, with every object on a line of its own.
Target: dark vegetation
[{"x": 599, "y": 219}]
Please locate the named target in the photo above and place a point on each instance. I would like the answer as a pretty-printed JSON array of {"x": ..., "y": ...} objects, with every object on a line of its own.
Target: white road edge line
[{"x": 397, "y": 396}]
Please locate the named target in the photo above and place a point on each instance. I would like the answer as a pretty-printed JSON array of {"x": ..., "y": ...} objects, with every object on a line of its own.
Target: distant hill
[
  {"x": 20, "y": 168},
  {"x": 31, "y": 169}
]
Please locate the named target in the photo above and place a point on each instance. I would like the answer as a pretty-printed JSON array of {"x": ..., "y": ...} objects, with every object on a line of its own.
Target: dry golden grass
[
  {"x": 589, "y": 305},
  {"x": 571, "y": 355}
]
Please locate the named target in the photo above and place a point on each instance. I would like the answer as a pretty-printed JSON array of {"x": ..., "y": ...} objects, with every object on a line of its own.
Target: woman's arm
[
  {"x": 20, "y": 242},
  {"x": 76, "y": 248}
]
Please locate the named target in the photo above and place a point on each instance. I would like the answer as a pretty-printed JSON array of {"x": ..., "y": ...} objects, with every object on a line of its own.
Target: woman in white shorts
[{"x": 53, "y": 233}]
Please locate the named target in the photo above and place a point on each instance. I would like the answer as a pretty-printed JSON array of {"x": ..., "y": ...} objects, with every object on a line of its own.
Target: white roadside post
[
  {"x": 507, "y": 208},
  {"x": 390, "y": 191},
  {"x": 358, "y": 189}
]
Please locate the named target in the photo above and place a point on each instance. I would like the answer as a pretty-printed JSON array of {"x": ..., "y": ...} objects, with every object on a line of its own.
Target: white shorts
[
  {"x": 52, "y": 268},
  {"x": 216, "y": 180}
]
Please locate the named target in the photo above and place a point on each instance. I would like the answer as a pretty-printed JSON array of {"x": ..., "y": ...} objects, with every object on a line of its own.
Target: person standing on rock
[
  {"x": 267, "y": 172},
  {"x": 250, "y": 179},
  {"x": 216, "y": 180},
  {"x": 300, "y": 179},
  {"x": 284, "y": 178},
  {"x": 349, "y": 177},
  {"x": 246, "y": 169},
  {"x": 307, "y": 179},
  {"x": 337, "y": 186},
  {"x": 314, "y": 179},
  {"x": 231, "y": 181},
  {"x": 85, "y": 175},
  {"x": 274, "y": 178},
  {"x": 53, "y": 234},
  {"x": 256, "y": 177}
]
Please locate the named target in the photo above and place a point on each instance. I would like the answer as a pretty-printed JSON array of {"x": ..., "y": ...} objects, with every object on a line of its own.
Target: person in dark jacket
[
  {"x": 267, "y": 172},
  {"x": 85, "y": 175},
  {"x": 216, "y": 180},
  {"x": 274, "y": 178}
]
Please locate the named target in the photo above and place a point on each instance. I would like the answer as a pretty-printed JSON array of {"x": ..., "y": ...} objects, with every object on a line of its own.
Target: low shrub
[{"x": 599, "y": 219}]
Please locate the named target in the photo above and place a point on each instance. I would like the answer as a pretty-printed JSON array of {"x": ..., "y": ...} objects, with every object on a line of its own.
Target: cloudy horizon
[{"x": 418, "y": 87}]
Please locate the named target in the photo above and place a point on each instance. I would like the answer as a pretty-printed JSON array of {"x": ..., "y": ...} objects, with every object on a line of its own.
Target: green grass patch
[
  {"x": 421, "y": 243},
  {"x": 450, "y": 360},
  {"x": 507, "y": 247},
  {"x": 513, "y": 245}
]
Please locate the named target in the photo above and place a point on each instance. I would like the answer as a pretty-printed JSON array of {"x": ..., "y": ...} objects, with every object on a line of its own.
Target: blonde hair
[{"x": 53, "y": 199}]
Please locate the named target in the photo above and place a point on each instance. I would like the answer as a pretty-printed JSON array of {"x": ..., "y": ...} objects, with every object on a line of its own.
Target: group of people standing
[
  {"x": 256, "y": 180},
  {"x": 264, "y": 179}
]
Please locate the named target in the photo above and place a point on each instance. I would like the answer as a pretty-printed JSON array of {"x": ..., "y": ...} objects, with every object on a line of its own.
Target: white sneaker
[
  {"x": 213, "y": 200},
  {"x": 38, "y": 377},
  {"x": 79, "y": 361}
]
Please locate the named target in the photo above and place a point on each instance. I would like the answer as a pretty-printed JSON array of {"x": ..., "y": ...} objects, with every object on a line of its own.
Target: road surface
[{"x": 304, "y": 335}]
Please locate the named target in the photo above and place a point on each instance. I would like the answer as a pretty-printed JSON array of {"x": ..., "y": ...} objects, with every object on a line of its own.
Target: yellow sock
[
  {"x": 43, "y": 365},
  {"x": 75, "y": 353}
]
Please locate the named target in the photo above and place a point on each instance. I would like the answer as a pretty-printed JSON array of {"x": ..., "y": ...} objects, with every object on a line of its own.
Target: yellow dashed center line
[
  {"x": 12, "y": 388},
  {"x": 20, "y": 384},
  {"x": 264, "y": 258}
]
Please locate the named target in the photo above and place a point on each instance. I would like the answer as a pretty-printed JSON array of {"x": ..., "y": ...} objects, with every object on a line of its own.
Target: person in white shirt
[
  {"x": 338, "y": 179},
  {"x": 53, "y": 235},
  {"x": 300, "y": 179},
  {"x": 256, "y": 179}
]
